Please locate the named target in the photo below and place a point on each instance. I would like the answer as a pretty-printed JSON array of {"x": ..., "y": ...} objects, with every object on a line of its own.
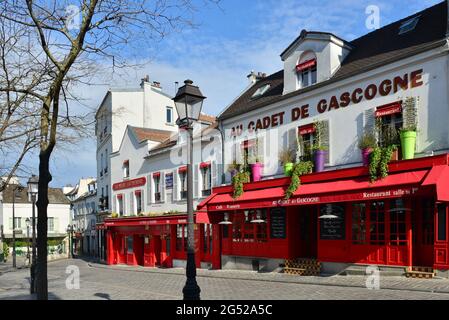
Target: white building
[
  {"x": 58, "y": 213},
  {"x": 144, "y": 107},
  {"x": 149, "y": 169},
  {"x": 84, "y": 216}
]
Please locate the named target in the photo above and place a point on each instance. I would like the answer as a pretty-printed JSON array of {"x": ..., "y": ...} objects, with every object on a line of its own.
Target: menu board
[
  {"x": 332, "y": 222},
  {"x": 278, "y": 223}
]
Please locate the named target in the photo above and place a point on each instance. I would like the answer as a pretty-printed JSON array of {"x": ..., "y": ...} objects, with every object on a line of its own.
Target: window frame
[{"x": 169, "y": 109}]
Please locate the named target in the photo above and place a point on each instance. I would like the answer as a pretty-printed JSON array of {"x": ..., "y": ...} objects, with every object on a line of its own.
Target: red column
[
  {"x": 198, "y": 251},
  {"x": 110, "y": 250},
  {"x": 408, "y": 223},
  {"x": 216, "y": 250}
]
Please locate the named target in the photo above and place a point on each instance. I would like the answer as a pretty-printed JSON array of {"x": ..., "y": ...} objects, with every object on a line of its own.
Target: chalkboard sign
[
  {"x": 332, "y": 222},
  {"x": 278, "y": 223},
  {"x": 169, "y": 181}
]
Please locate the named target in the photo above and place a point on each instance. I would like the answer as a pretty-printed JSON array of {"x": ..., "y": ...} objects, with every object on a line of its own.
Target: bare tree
[{"x": 67, "y": 39}]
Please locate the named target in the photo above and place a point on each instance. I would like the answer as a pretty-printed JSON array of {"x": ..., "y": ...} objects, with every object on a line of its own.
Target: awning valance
[{"x": 345, "y": 190}]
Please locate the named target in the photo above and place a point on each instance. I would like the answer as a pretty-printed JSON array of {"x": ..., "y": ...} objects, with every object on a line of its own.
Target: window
[
  {"x": 183, "y": 180},
  {"x": 130, "y": 244},
  {"x": 388, "y": 127},
  {"x": 51, "y": 224},
  {"x": 169, "y": 115},
  {"x": 101, "y": 165},
  {"x": 120, "y": 205},
  {"x": 126, "y": 169},
  {"x": 359, "y": 223},
  {"x": 307, "y": 139},
  {"x": 139, "y": 201},
  {"x": 206, "y": 174},
  {"x": 249, "y": 151},
  {"x": 377, "y": 223},
  {"x": 307, "y": 70},
  {"x": 106, "y": 162},
  {"x": 181, "y": 237},
  {"x": 243, "y": 230},
  {"x": 157, "y": 187},
  {"x": 428, "y": 226},
  {"x": 409, "y": 25},
  {"x": 261, "y": 91},
  {"x": 207, "y": 239},
  {"x": 442, "y": 229},
  {"x": 398, "y": 230},
  {"x": 17, "y": 223}
]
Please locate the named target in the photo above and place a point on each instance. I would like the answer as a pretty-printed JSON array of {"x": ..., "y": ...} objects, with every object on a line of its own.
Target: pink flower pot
[
  {"x": 256, "y": 170},
  {"x": 365, "y": 155}
]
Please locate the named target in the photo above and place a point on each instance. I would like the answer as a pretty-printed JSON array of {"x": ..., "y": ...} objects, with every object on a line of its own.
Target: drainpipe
[{"x": 220, "y": 128}]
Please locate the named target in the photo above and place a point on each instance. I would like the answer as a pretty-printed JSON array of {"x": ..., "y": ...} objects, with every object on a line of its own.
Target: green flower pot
[
  {"x": 408, "y": 143},
  {"x": 288, "y": 169}
]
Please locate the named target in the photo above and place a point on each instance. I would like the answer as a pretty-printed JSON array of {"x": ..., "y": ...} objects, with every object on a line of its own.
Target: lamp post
[
  {"x": 28, "y": 239},
  {"x": 14, "y": 190},
  {"x": 189, "y": 101},
  {"x": 32, "y": 193}
]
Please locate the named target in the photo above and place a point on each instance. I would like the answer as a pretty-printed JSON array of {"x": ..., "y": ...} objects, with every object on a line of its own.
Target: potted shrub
[
  {"x": 408, "y": 131},
  {"x": 367, "y": 143},
  {"x": 319, "y": 149},
  {"x": 256, "y": 164},
  {"x": 286, "y": 157}
]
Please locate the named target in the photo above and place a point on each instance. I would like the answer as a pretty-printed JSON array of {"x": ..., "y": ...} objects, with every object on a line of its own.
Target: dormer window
[
  {"x": 261, "y": 91},
  {"x": 408, "y": 25},
  {"x": 307, "y": 70}
]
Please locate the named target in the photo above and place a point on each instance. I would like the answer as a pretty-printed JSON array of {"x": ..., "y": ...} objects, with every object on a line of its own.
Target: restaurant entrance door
[{"x": 308, "y": 231}]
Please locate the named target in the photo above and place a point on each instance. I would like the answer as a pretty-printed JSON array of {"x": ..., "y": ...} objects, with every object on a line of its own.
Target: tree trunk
[{"x": 42, "y": 204}]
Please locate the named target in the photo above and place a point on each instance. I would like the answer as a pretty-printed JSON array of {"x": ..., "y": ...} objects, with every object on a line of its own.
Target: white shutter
[
  {"x": 292, "y": 140},
  {"x": 369, "y": 121},
  {"x": 114, "y": 203},
  {"x": 150, "y": 189},
  {"x": 142, "y": 201},
  {"x": 326, "y": 140},
  {"x": 132, "y": 198},
  {"x": 214, "y": 175},
  {"x": 124, "y": 204},
  {"x": 175, "y": 186},
  {"x": 196, "y": 181},
  {"x": 10, "y": 224},
  {"x": 162, "y": 186}
]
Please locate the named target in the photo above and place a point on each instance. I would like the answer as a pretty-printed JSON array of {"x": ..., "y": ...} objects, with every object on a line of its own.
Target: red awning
[
  {"x": 182, "y": 169},
  {"x": 310, "y": 128},
  {"x": 306, "y": 65},
  {"x": 395, "y": 185},
  {"x": 439, "y": 177},
  {"x": 205, "y": 165},
  {"x": 156, "y": 175},
  {"x": 138, "y": 192},
  {"x": 389, "y": 109}
]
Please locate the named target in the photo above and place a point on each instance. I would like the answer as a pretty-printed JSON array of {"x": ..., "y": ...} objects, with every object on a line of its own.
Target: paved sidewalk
[{"x": 386, "y": 282}]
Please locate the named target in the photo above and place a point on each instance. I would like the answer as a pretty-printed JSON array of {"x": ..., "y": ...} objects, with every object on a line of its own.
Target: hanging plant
[
  {"x": 379, "y": 160},
  {"x": 237, "y": 181},
  {"x": 299, "y": 169}
]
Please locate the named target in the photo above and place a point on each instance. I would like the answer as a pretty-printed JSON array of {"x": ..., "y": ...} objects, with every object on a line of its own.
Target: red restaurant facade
[{"x": 399, "y": 221}]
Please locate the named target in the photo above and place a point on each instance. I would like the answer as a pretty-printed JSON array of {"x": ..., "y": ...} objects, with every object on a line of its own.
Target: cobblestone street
[{"x": 123, "y": 283}]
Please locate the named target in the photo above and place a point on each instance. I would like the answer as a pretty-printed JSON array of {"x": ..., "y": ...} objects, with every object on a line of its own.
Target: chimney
[
  {"x": 254, "y": 77},
  {"x": 157, "y": 84},
  {"x": 145, "y": 80},
  {"x": 176, "y": 87}
]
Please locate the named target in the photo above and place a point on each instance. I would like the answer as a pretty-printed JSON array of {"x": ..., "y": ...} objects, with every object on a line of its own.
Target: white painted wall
[
  {"x": 347, "y": 124},
  {"x": 60, "y": 213},
  {"x": 163, "y": 162}
]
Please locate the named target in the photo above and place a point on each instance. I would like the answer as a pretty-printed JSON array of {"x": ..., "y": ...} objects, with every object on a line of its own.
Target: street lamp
[
  {"x": 189, "y": 101},
  {"x": 32, "y": 193},
  {"x": 14, "y": 190},
  {"x": 27, "y": 220}
]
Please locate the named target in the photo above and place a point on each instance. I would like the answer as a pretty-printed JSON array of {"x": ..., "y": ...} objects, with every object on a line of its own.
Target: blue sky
[{"x": 229, "y": 42}]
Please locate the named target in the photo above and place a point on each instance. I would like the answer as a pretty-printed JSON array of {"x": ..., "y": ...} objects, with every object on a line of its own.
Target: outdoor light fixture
[
  {"x": 226, "y": 220},
  {"x": 246, "y": 213},
  {"x": 258, "y": 218},
  {"x": 328, "y": 214},
  {"x": 188, "y": 102},
  {"x": 33, "y": 184}
]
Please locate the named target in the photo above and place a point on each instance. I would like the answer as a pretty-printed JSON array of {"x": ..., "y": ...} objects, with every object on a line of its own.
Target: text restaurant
[{"x": 363, "y": 174}]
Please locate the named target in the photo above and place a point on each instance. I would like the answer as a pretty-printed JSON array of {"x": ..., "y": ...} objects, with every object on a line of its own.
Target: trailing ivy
[
  {"x": 374, "y": 161},
  {"x": 237, "y": 181},
  {"x": 379, "y": 160},
  {"x": 299, "y": 169}
]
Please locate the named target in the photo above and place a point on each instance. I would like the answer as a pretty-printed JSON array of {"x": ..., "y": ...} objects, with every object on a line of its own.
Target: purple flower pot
[
  {"x": 233, "y": 173},
  {"x": 365, "y": 155},
  {"x": 319, "y": 158},
  {"x": 256, "y": 170}
]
